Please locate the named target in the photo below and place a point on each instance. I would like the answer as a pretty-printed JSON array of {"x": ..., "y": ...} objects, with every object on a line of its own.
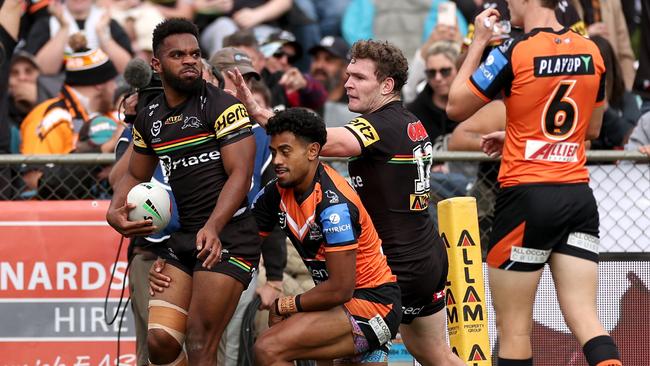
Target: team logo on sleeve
[
  {"x": 231, "y": 119},
  {"x": 364, "y": 131},
  {"x": 138, "y": 140}
]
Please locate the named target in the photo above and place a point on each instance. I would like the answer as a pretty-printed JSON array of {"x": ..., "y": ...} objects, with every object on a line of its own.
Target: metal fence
[{"x": 620, "y": 181}]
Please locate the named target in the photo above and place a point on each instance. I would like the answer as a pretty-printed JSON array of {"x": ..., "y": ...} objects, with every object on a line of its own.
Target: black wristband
[
  {"x": 129, "y": 118},
  {"x": 298, "y": 306}
]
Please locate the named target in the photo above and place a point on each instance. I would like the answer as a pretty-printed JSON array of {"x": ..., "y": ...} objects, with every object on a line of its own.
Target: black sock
[
  {"x": 600, "y": 349},
  {"x": 508, "y": 362}
]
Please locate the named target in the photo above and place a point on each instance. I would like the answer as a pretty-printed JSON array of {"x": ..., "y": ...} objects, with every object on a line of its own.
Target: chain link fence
[{"x": 620, "y": 181}]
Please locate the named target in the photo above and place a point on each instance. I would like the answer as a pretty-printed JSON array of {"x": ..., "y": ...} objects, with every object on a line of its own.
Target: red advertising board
[{"x": 56, "y": 264}]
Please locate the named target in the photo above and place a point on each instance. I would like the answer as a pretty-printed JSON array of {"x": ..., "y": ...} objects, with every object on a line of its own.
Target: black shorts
[
  {"x": 239, "y": 239},
  {"x": 531, "y": 221},
  {"x": 375, "y": 317},
  {"x": 422, "y": 281}
]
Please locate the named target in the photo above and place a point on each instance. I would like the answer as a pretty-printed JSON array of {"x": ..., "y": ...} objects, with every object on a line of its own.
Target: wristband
[
  {"x": 286, "y": 305},
  {"x": 298, "y": 305}
]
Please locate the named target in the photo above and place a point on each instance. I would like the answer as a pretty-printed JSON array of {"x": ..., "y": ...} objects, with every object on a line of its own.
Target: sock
[
  {"x": 602, "y": 351},
  {"x": 508, "y": 362}
]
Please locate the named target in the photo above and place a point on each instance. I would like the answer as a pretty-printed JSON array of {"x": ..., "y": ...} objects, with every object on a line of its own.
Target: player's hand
[
  {"x": 274, "y": 317},
  {"x": 208, "y": 245},
  {"x": 645, "y": 149},
  {"x": 243, "y": 93},
  {"x": 130, "y": 104},
  {"x": 492, "y": 143},
  {"x": 484, "y": 25},
  {"x": 293, "y": 80},
  {"x": 158, "y": 282},
  {"x": 118, "y": 218},
  {"x": 268, "y": 294}
]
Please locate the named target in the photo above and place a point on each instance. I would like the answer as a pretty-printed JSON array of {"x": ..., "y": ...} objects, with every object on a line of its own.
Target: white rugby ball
[{"x": 151, "y": 202}]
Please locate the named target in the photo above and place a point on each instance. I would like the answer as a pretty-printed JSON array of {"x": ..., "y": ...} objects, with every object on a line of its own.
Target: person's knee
[
  {"x": 266, "y": 350},
  {"x": 163, "y": 348},
  {"x": 166, "y": 331}
]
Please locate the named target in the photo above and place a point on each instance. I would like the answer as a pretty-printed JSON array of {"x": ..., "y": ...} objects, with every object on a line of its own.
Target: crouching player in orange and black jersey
[
  {"x": 354, "y": 310},
  {"x": 553, "y": 81}
]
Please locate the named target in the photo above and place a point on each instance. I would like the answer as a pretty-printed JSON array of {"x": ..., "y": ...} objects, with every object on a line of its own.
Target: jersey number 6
[{"x": 560, "y": 113}]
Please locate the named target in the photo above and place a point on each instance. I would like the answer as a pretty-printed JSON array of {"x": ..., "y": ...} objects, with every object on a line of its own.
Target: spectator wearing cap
[
  {"x": 49, "y": 37},
  {"x": 281, "y": 51},
  {"x": 329, "y": 60},
  {"x": 231, "y": 58},
  {"x": 328, "y": 65},
  {"x": 289, "y": 88},
  {"x": 246, "y": 42},
  {"x": 25, "y": 91},
  {"x": 77, "y": 120}
]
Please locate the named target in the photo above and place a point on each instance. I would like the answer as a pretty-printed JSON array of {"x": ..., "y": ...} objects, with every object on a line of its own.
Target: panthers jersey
[
  {"x": 552, "y": 83},
  {"x": 328, "y": 218},
  {"x": 392, "y": 178},
  {"x": 188, "y": 139}
]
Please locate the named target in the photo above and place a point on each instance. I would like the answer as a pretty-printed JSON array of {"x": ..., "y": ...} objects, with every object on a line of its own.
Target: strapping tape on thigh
[{"x": 169, "y": 318}]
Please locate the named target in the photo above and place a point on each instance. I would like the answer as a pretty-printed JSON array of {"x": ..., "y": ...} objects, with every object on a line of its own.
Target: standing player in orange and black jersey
[
  {"x": 553, "y": 81},
  {"x": 204, "y": 139},
  {"x": 390, "y": 168},
  {"x": 355, "y": 309}
]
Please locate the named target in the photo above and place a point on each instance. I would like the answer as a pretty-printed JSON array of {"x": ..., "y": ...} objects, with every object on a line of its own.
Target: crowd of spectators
[
  {"x": 62, "y": 84},
  {"x": 299, "y": 51}
]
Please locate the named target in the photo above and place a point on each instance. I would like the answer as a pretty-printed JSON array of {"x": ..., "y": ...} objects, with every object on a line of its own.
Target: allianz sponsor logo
[
  {"x": 564, "y": 152},
  {"x": 170, "y": 164},
  {"x": 529, "y": 255},
  {"x": 564, "y": 65}
]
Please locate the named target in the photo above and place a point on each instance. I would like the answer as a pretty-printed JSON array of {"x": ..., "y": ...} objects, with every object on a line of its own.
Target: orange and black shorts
[
  {"x": 533, "y": 220},
  {"x": 240, "y": 255},
  {"x": 375, "y": 315}
]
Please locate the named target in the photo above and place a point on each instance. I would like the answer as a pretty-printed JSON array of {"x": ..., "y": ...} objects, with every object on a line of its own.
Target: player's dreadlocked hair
[{"x": 302, "y": 122}]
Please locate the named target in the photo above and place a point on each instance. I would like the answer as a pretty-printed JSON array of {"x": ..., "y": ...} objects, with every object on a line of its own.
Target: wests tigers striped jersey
[{"x": 552, "y": 82}]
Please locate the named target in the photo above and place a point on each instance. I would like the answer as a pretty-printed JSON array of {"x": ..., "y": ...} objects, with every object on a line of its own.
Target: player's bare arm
[
  {"x": 340, "y": 141},
  {"x": 463, "y": 103}
]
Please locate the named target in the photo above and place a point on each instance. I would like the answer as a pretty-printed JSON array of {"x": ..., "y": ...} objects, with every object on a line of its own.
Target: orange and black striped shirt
[{"x": 328, "y": 218}]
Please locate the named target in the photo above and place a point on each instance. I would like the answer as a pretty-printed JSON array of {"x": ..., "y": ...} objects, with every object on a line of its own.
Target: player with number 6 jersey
[{"x": 553, "y": 81}]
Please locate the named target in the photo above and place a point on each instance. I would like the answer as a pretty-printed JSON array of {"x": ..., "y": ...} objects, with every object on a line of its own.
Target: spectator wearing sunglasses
[{"x": 429, "y": 105}]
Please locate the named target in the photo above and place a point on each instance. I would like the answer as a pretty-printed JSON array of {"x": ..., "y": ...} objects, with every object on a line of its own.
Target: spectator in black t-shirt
[{"x": 48, "y": 38}]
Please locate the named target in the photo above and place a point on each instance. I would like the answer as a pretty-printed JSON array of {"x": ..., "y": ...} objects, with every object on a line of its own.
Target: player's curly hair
[
  {"x": 302, "y": 122},
  {"x": 169, "y": 27},
  {"x": 389, "y": 60}
]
